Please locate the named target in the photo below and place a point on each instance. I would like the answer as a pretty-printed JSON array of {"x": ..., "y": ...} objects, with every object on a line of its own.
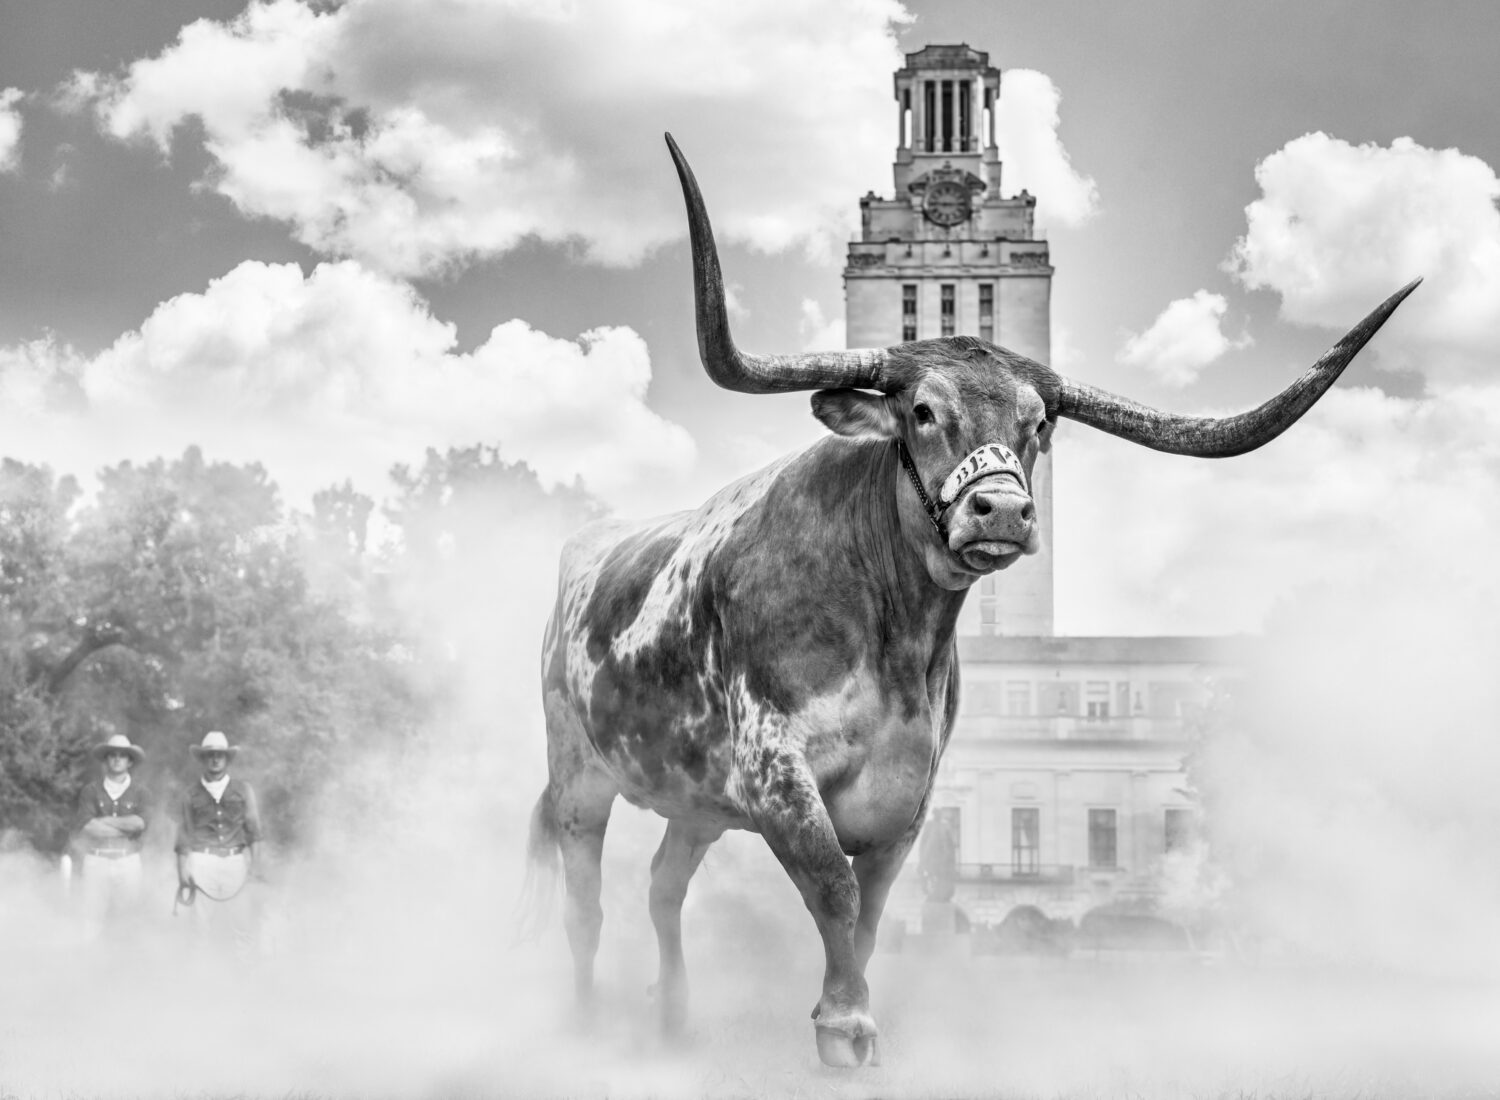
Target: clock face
[{"x": 947, "y": 203}]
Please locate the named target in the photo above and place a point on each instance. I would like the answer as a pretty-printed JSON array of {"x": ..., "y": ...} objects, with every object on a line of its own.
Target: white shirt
[
  {"x": 216, "y": 788},
  {"x": 116, "y": 787}
]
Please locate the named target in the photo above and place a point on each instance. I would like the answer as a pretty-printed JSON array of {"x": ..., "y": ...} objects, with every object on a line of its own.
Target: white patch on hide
[{"x": 701, "y": 533}]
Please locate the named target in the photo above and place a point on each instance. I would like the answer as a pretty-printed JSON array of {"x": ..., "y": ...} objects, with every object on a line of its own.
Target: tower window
[
  {"x": 1102, "y": 835},
  {"x": 1096, "y": 700},
  {"x": 965, "y": 112},
  {"x": 929, "y": 113},
  {"x": 1025, "y": 840},
  {"x": 948, "y": 308},
  {"x": 1178, "y": 830},
  {"x": 987, "y": 311},
  {"x": 947, "y": 116},
  {"x": 909, "y": 311},
  {"x": 1018, "y": 698},
  {"x": 905, "y": 118}
]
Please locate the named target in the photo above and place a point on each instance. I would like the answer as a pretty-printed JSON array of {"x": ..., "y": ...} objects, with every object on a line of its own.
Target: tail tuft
[{"x": 543, "y": 862}]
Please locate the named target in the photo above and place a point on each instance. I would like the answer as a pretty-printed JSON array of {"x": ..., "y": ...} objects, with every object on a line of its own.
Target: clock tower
[{"x": 949, "y": 254}]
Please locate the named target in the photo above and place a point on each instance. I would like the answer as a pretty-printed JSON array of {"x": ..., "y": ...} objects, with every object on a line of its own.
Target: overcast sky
[{"x": 326, "y": 237}]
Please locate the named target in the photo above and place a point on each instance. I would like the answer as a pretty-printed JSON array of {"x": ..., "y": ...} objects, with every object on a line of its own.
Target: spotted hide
[{"x": 782, "y": 659}]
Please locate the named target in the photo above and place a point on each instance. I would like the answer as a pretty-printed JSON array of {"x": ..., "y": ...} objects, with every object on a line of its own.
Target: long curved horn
[
  {"x": 747, "y": 373},
  {"x": 1209, "y": 437}
]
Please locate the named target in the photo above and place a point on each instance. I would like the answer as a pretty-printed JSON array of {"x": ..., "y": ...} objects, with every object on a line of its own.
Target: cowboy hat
[
  {"x": 118, "y": 742},
  {"x": 214, "y": 741}
]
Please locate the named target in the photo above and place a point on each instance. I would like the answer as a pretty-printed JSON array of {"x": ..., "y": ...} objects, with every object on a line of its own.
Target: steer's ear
[{"x": 855, "y": 413}]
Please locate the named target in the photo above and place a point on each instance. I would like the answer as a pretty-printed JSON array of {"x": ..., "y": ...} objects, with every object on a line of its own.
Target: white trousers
[
  {"x": 223, "y": 905},
  {"x": 111, "y": 891}
]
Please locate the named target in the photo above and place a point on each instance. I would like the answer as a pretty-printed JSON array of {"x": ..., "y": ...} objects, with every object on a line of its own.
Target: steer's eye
[{"x": 922, "y": 413}]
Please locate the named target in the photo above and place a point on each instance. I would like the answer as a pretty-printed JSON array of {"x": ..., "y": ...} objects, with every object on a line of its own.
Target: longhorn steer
[{"x": 782, "y": 659}]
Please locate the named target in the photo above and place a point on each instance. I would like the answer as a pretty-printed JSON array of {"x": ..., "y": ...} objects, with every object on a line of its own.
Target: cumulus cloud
[
  {"x": 1066, "y": 356},
  {"x": 338, "y": 374},
  {"x": 1026, "y": 122},
  {"x": 1184, "y": 339},
  {"x": 1363, "y": 480},
  {"x": 819, "y": 332},
  {"x": 1367, "y": 478},
  {"x": 10, "y": 130},
  {"x": 415, "y": 136},
  {"x": 1339, "y": 226}
]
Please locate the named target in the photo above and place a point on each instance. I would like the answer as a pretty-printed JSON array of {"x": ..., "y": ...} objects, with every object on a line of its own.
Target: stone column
[
  {"x": 1064, "y": 827},
  {"x": 1138, "y": 823}
]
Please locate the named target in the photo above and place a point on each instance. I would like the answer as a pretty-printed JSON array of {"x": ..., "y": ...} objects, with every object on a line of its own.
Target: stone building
[
  {"x": 1063, "y": 787},
  {"x": 1064, "y": 781}
]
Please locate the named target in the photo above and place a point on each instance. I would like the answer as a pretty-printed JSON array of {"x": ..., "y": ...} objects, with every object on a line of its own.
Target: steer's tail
[{"x": 543, "y": 861}]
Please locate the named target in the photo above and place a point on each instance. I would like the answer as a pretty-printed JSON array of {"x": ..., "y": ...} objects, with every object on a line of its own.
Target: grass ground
[
  {"x": 410, "y": 988},
  {"x": 155, "y": 1023}
]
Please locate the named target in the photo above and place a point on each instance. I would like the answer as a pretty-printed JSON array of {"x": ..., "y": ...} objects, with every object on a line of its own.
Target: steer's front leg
[
  {"x": 876, "y": 873},
  {"x": 786, "y": 807}
]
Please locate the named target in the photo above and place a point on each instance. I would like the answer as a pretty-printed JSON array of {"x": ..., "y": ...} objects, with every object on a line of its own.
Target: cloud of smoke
[
  {"x": 1348, "y": 794},
  {"x": 1352, "y": 825}
]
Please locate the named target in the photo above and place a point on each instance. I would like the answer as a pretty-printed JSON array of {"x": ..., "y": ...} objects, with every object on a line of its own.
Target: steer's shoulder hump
[
  {"x": 703, "y": 528},
  {"x": 592, "y": 543}
]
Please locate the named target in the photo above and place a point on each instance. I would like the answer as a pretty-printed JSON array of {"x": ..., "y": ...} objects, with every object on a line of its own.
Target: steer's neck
[{"x": 887, "y": 538}]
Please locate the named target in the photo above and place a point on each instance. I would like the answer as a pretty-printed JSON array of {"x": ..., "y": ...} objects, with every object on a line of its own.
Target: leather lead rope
[{"x": 934, "y": 513}]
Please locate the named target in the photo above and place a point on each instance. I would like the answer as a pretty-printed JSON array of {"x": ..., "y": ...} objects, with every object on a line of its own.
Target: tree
[
  {"x": 176, "y": 602},
  {"x": 183, "y": 598},
  {"x": 41, "y": 642}
]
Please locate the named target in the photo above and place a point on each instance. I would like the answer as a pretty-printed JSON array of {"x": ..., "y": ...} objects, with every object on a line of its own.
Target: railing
[
  {"x": 1067, "y": 727},
  {"x": 901, "y": 252},
  {"x": 1038, "y": 873}
]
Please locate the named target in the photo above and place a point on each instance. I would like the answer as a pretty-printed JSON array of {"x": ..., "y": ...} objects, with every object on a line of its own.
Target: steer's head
[{"x": 967, "y": 419}]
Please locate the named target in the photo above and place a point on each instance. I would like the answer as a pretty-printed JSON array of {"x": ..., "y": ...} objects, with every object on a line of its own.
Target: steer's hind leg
[
  {"x": 583, "y": 794},
  {"x": 682, "y": 849},
  {"x": 788, "y": 810}
]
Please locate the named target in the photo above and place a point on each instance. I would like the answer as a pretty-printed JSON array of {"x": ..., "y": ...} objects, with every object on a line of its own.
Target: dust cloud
[{"x": 1348, "y": 804}]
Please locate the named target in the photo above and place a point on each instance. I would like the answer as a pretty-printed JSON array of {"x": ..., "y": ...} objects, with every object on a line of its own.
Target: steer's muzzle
[{"x": 993, "y": 524}]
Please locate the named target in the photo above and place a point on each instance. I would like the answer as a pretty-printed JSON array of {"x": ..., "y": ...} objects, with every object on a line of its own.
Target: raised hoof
[{"x": 842, "y": 1051}]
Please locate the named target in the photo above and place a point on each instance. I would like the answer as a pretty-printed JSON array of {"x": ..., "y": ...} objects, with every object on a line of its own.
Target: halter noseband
[{"x": 982, "y": 461}]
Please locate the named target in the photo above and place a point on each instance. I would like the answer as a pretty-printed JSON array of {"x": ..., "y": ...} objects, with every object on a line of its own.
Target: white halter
[{"x": 992, "y": 458}]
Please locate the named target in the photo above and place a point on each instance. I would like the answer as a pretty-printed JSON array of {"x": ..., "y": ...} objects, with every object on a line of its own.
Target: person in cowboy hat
[
  {"x": 110, "y": 822},
  {"x": 218, "y": 834}
]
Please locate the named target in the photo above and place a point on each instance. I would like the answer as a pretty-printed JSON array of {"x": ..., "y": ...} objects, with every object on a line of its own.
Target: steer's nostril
[
  {"x": 1028, "y": 511},
  {"x": 981, "y": 504}
]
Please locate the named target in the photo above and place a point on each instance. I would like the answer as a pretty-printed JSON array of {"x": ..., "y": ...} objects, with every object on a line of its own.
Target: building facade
[
  {"x": 1064, "y": 782},
  {"x": 1063, "y": 786}
]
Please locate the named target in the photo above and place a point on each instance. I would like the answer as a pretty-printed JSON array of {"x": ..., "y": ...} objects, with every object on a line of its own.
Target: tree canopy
[{"x": 184, "y": 596}]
